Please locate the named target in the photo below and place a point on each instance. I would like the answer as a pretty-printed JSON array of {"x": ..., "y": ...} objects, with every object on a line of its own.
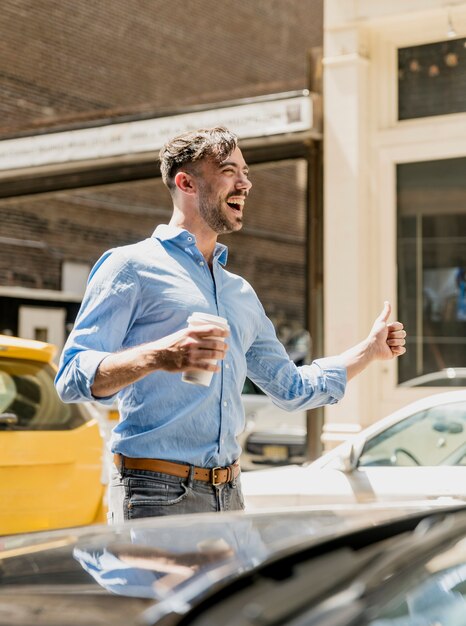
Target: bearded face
[
  {"x": 223, "y": 213},
  {"x": 222, "y": 191}
]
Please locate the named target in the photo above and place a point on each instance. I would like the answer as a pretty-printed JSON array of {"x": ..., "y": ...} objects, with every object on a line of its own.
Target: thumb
[{"x": 387, "y": 309}]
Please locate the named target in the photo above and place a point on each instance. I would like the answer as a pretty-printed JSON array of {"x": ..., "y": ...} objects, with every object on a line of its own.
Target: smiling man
[{"x": 175, "y": 446}]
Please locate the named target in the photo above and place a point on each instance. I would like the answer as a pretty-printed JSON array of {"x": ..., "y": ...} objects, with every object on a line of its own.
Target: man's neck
[{"x": 205, "y": 237}]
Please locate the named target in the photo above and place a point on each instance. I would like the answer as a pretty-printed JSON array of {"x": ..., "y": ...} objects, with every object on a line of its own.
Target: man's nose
[{"x": 243, "y": 182}]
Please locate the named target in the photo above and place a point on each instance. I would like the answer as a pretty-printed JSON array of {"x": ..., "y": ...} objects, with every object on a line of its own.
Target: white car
[
  {"x": 272, "y": 436},
  {"x": 418, "y": 452}
]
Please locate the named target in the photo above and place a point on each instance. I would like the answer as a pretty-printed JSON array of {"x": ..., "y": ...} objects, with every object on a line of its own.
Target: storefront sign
[{"x": 256, "y": 119}]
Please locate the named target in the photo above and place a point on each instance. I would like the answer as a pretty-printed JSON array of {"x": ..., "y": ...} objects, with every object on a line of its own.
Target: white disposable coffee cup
[{"x": 201, "y": 319}]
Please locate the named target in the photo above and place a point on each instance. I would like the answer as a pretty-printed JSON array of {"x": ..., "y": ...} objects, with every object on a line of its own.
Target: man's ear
[{"x": 185, "y": 182}]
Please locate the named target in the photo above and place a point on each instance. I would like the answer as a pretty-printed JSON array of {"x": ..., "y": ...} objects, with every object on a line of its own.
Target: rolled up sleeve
[
  {"x": 105, "y": 314},
  {"x": 76, "y": 376},
  {"x": 329, "y": 379}
]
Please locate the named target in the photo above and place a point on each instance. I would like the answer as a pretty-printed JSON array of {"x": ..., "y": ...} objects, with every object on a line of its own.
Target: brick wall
[
  {"x": 64, "y": 61},
  {"x": 42, "y": 231},
  {"x": 61, "y": 59}
]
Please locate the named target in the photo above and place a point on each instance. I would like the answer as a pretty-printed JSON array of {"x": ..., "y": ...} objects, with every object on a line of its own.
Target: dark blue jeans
[{"x": 141, "y": 493}]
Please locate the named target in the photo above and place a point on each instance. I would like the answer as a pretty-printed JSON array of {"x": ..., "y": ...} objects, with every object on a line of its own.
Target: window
[
  {"x": 435, "y": 436},
  {"x": 432, "y": 79},
  {"x": 74, "y": 277},
  {"x": 28, "y": 400},
  {"x": 431, "y": 260}
]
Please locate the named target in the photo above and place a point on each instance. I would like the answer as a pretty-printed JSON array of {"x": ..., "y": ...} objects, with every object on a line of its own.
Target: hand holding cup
[{"x": 197, "y": 320}]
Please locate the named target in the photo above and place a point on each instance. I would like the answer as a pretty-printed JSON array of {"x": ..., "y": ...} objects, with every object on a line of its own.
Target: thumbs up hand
[{"x": 387, "y": 340}]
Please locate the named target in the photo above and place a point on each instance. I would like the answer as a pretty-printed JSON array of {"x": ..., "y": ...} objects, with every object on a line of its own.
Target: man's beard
[{"x": 214, "y": 216}]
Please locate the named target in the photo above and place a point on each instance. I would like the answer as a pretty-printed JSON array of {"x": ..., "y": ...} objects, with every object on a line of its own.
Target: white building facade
[{"x": 394, "y": 195}]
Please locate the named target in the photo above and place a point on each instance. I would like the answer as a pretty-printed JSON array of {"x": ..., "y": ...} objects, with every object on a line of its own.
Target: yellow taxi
[{"x": 51, "y": 453}]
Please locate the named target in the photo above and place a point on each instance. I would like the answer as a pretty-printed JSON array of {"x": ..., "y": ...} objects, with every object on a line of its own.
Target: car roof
[
  {"x": 18, "y": 348},
  {"x": 445, "y": 374}
]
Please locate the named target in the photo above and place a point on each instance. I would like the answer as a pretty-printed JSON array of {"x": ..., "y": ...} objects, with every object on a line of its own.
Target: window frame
[{"x": 394, "y": 142}]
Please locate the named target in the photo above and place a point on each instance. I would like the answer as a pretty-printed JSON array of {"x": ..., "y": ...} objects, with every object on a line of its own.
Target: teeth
[{"x": 239, "y": 201}]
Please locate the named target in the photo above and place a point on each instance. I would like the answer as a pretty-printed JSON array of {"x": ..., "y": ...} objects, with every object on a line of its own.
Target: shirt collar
[{"x": 182, "y": 238}]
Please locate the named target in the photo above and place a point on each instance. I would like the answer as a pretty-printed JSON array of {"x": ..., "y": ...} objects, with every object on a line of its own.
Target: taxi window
[{"x": 29, "y": 401}]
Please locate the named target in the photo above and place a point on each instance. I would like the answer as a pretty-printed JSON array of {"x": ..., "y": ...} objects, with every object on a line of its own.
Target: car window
[
  {"x": 434, "y": 436},
  {"x": 28, "y": 400}
]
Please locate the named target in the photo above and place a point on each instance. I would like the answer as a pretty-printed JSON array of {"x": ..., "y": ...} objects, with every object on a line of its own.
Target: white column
[{"x": 348, "y": 260}]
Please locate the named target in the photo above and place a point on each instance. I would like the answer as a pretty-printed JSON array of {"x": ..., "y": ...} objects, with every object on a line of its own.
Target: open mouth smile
[{"x": 236, "y": 203}]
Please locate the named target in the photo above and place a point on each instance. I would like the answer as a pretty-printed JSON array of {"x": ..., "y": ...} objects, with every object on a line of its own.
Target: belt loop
[
  {"x": 231, "y": 476},
  {"x": 119, "y": 461},
  {"x": 189, "y": 482}
]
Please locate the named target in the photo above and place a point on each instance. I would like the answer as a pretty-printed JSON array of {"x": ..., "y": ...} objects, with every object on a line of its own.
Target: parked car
[
  {"x": 272, "y": 436},
  {"x": 446, "y": 377},
  {"x": 234, "y": 568},
  {"x": 417, "y": 452},
  {"x": 406, "y": 572},
  {"x": 51, "y": 452}
]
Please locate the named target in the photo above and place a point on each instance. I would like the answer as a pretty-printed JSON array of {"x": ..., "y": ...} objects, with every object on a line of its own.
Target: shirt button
[
  {"x": 227, "y": 366},
  {"x": 225, "y": 403},
  {"x": 190, "y": 238},
  {"x": 201, "y": 262}
]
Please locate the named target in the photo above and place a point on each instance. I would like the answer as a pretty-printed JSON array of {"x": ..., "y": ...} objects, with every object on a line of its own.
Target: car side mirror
[
  {"x": 8, "y": 419},
  {"x": 348, "y": 458}
]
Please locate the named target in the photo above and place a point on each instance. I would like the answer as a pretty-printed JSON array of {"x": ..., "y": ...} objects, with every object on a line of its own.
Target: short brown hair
[{"x": 212, "y": 143}]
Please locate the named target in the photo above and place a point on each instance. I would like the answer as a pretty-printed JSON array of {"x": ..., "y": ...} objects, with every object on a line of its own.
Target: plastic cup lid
[{"x": 207, "y": 317}]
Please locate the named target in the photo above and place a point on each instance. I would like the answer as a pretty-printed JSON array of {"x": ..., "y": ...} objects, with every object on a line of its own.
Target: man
[{"x": 175, "y": 445}]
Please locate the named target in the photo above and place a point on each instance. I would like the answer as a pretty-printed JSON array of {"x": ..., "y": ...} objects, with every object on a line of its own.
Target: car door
[
  {"x": 51, "y": 453},
  {"x": 419, "y": 455}
]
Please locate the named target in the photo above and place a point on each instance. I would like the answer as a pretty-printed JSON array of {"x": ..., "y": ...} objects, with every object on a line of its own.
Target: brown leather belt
[{"x": 215, "y": 475}]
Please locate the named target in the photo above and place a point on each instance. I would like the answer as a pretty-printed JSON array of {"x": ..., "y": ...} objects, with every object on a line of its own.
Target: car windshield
[
  {"x": 400, "y": 576},
  {"x": 435, "y": 593},
  {"x": 434, "y": 436},
  {"x": 28, "y": 400}
]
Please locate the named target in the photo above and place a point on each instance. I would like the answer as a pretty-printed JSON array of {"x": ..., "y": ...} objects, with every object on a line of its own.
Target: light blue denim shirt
[{"x": 146, "y": 291}]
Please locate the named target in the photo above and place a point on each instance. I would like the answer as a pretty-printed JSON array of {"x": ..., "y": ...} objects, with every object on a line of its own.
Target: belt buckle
[{"x": 213, "y": 479}]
